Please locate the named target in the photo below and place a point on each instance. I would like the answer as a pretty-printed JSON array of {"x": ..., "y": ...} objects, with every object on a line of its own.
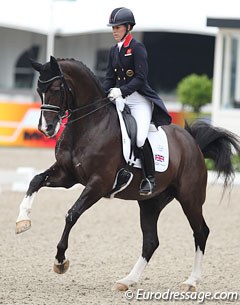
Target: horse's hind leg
[
  {"x": 149, "y": 213},
  {"x": 52, "y": 177},
  {"x": 193, "y": 212}
]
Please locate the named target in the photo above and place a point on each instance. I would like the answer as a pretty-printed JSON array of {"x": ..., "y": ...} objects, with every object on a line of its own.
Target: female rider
[{"x": 126, "y": 83}]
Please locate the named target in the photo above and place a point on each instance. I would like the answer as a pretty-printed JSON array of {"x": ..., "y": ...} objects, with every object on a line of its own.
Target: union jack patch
[
  {"x": 159, "y": 158},
  {"x": 129, "y": 52}
]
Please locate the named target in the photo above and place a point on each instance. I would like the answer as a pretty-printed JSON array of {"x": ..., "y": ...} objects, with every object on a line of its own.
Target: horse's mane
[{"x": 86, "y": 69}]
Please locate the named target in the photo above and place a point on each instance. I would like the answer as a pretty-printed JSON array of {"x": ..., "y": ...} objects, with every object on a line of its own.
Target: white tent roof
[{"x": 80, "y": 16}]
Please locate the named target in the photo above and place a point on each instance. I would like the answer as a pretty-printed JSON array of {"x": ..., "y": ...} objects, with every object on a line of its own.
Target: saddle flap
[
  {"x": 158, "y": 141},
  {"x": 131, "y": 125}
]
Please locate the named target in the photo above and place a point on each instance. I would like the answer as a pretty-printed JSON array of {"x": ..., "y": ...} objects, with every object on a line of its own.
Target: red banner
[{"x": 19, "y": 121}]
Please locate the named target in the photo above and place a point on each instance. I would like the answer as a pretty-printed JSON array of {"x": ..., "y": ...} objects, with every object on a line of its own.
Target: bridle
[
  {"x": 64, "y": 90},
  {"x": 62, "y": 113}
]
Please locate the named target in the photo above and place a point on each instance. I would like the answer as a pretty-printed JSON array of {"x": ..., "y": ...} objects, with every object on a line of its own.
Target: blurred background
[{"x": 182, "y": 38}]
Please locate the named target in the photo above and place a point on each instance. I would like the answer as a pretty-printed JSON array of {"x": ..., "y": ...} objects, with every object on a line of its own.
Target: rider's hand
[
  {"x": 120, "y": 104},
  {"x": 114, "y": 94}
]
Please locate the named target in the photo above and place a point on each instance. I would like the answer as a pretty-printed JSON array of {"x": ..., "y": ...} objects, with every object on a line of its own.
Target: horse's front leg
[
  {"x": 53, "y": 177},
  {"x": 90, "y": 195}
]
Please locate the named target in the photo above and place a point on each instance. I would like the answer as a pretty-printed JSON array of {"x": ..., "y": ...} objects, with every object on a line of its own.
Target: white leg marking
[
  {"x": 197, "y": 268},
  {"x": 56, "y": 262},
  {"x": 134, "y": 275},
  {"x": 25, "y": 207}
]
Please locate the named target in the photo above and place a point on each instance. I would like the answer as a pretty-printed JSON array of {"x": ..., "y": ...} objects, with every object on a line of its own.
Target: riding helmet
[{"x": 121, "y": 15}]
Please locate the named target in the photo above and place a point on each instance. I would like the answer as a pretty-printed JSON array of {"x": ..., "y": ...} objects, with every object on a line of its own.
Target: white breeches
[{"x": 141, "y": 110}]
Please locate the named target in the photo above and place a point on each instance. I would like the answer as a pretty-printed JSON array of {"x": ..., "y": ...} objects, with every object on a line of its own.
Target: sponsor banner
[
  {"x": 19, "y": 125},
  {"x": 178, "y": 118}
]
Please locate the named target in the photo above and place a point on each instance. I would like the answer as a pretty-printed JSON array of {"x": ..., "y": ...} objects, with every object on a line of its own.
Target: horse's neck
[
  {"x": 90, "y": 106},
  {"x": 96, "y": 120},
  {"x": 92, "y": 109},
  {"x": 87, "y": 87}
]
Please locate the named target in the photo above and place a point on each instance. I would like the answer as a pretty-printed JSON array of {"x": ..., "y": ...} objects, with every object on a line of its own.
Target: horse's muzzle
[{"x": 48, "y": 129}]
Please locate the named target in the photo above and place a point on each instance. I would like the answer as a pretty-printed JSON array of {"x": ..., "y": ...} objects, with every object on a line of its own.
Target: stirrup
[{"x": 147, "y": 186}]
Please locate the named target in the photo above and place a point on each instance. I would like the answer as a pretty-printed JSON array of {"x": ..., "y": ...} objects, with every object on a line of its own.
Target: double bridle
[
  {"x": 63, "y": 87},
  {"x": 64, "y": 90}
]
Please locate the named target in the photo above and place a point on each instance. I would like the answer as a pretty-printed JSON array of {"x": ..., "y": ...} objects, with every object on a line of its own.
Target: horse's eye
[{"x": 55, "y": 92}]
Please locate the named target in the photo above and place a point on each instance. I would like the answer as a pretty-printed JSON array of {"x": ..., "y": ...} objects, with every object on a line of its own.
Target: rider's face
[{"x": 118, "y": 32}]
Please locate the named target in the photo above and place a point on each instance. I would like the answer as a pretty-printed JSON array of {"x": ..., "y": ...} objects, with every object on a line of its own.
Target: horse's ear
[
  {"x": 55, "y": 66},
  {"x": 36, "y": 65}
]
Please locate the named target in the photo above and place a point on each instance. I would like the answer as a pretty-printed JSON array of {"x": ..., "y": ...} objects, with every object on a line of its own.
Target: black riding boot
[{"x": 147, "y": 185}]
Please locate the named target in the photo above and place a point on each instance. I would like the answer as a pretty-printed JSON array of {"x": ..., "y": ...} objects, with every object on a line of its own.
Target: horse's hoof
[
  {"x": 61, "y": 268},
  {"x": 22, "y": 226},
  {"x": 120, "y": 287},
  {"x": 187, "y": 288}
]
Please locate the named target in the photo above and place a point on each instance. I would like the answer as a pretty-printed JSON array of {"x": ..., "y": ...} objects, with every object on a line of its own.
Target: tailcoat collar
[{"x": 127, "y": 40}]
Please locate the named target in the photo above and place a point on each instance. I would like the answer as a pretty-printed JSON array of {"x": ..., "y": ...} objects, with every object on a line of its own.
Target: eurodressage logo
[{"x": 169, "y": 295}]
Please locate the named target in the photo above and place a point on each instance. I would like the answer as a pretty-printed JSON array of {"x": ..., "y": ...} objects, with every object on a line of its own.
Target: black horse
[{"x": 89, "y": 152}]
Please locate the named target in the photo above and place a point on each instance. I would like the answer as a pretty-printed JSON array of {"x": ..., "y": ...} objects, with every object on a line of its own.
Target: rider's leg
[
  {"x": 141, "y": 109},
  {"x": 148, "y": 182}
]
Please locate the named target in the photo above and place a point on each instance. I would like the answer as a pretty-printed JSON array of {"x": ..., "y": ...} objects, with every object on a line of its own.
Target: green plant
[
  {"x": 195, "y": 91},
  {"x": 235, "y": 163},
  {"x": 209, "y": 164}
]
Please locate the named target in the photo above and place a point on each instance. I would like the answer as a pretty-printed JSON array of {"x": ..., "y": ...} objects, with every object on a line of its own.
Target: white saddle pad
[{"x": 158, "y": 141}]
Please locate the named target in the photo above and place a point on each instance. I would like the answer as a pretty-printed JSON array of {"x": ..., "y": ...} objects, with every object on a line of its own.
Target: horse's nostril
[{"x": 49, "y": 127}]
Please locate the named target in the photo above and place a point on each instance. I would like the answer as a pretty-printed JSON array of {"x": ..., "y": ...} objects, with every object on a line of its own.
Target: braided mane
[{"x": 86, "y": 69}]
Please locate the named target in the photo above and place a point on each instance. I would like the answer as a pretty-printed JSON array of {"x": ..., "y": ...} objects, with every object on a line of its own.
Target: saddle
[
  {"x": 124, "y": 176},
  {"x": 158, "y": 142}
]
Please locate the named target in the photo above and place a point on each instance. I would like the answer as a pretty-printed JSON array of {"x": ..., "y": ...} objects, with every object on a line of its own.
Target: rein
[{"x": 89, "y": 113}]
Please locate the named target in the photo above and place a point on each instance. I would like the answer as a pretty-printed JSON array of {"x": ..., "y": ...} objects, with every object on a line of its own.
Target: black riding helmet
[{"x": 121, "y": 15}]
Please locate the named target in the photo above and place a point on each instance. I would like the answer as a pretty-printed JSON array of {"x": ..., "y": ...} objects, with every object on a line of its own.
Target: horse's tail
[{"x": 216, "y": 144}]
